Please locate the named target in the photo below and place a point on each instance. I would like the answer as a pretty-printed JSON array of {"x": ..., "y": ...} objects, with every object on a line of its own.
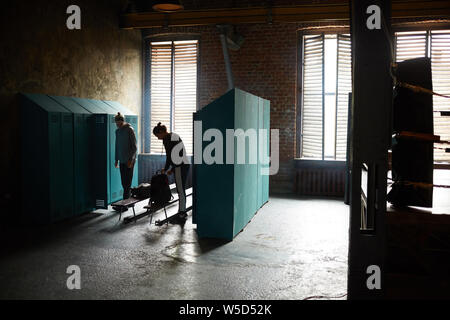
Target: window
[
  {"x": 173, "y": 89},
  {"x": 326, "y": 83},
  {"x": 436, "y": 45}
]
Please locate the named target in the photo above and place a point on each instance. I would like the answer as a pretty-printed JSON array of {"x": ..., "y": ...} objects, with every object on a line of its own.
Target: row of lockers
[
  {"x": 68, "y": 147},
  {"x": 227, "y": 196}
]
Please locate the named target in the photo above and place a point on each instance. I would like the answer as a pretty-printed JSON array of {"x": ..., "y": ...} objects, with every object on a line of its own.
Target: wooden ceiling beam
[{"x": 288, "y": 14}]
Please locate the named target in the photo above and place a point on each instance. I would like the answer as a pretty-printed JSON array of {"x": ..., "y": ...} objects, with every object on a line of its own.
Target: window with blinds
[
  {"x": 173, "y": 91},
  {"x": 434, "y": 44},
  {"x": 326, "y": 84}
]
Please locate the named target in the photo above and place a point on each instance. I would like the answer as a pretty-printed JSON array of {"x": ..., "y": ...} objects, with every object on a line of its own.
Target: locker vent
[
  {"x": 99, "y": 203},
  {"x": 55, "y": 118},
  {"x": 99, "y": 120},
  {"x": 67, "y": 119}
]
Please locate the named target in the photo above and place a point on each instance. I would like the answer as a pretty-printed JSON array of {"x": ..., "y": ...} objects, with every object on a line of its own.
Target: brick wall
[{"x": 265, "y": 66}]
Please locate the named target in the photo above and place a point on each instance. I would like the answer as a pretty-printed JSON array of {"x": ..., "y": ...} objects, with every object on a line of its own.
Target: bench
[{"x": 123, "y": 205}]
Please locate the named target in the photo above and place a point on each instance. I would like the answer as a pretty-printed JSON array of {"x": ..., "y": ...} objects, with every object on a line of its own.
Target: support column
[{"x": 371, "y": 114}]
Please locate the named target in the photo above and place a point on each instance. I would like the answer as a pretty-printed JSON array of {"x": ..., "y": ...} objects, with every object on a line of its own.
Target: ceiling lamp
[{"x": 168, "y": 6}]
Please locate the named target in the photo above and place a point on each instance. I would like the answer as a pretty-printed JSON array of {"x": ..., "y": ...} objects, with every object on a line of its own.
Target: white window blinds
[
  {"x": 173, "y": 89},
  {"x": 344, "y": 87},
  {"x": 434, "y": 44},
  {"x": 160, "y": 92},
  {"x": 326, "y": 84},
  {"x": 440, "y": 66},
  {"x": 410, "y": 45},
  {"x": 185, "y": 90},
  {"x": 313, "y": 98}
]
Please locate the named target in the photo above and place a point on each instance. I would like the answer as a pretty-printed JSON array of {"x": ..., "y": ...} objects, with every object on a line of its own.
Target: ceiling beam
[{"x": 288, "y": 14}]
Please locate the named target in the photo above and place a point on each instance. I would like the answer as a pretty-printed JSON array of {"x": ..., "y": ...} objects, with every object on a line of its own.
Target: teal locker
[
  {"x": 115, "y": 182},
  {"x": 214, "y": 184},
  {"x": 102, "y": 126},
  {"x": 260, "y": 111},
  {"x": 245, "y": 175},
  {"x": 227, "y": 196},
  {"x": 266, "y": 125},
  {"x": 67, "y": 192},
  {"x": 107, "y": 183},
  {"x": 83, "y": 199},
  {"x": 47, "y": 160}
]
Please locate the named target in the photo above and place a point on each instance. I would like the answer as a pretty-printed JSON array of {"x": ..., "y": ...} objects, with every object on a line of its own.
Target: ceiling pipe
[{"x": 226, "y": 56}]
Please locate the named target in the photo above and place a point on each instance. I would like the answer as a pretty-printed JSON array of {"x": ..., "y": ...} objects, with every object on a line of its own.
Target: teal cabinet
[
  {"x": 47, "y": 160},
  {"x": 227, "y": 195},
  {"x": 83, "y": 199},
  {"x": 106, "y": 181},
  {"x": 68, "y": 154}
]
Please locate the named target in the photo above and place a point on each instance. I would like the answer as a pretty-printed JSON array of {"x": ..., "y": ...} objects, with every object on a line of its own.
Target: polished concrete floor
[{"x": 294, "y": 248}]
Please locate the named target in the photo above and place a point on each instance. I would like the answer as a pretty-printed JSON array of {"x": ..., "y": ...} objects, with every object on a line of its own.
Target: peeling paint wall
[{"x": 39, "y": 54}]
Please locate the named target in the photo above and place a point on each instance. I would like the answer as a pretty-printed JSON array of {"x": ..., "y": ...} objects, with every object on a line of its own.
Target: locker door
[
  {"x": 266, "y": 125},
  {"x": 116, "y": 190},
  {"x": 55, "y": 172},
  {"x": 66, "y": 165},
  {"x": 100, "y": 170},
  {"x": 260, "y": 141}
]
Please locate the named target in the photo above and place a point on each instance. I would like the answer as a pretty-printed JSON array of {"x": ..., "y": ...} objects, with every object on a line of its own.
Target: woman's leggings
[{"x": 181, "y": 173}]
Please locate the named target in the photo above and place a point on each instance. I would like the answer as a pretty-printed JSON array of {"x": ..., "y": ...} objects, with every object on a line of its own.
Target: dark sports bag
[
  {"x": 141, "y": 192},
  {"x": 159, "y": 190}
]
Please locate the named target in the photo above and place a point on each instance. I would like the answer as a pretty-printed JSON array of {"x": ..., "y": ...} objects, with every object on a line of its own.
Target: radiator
[{"x": 320, "y": 182}]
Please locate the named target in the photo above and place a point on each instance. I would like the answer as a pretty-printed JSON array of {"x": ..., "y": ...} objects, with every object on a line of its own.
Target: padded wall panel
[{"x": 412, "y": 160}]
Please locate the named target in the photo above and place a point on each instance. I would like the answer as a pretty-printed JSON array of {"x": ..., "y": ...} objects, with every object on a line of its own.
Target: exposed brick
[{"x": 266, "y": 65}]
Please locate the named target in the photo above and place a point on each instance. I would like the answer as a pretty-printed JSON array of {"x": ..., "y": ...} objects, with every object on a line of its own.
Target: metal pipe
[{"x": 227, "y": 60}]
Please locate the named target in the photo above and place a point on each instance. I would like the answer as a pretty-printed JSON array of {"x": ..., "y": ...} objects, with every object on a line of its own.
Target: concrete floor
[{"x": 292, "y": 249}]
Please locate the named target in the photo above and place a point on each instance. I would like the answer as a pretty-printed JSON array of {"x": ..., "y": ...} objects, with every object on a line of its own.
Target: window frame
[
  {"x": 396, "y": 27},
  {"x": 146, "y": 98},
  {"x": 299, "y": 93}
]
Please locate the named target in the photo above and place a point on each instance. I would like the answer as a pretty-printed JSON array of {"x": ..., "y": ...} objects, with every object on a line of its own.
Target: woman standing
[{"x": 177, "y": 163}]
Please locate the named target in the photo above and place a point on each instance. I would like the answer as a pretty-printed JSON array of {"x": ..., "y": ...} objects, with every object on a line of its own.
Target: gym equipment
[{"x": 412, "y": 147}]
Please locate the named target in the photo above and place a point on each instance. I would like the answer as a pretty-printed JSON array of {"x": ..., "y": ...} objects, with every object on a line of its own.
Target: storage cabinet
[
  {"x": 228, "y": 195},
  {"x": 47, "y": 159},
  {"x": 68, "y": 153}
]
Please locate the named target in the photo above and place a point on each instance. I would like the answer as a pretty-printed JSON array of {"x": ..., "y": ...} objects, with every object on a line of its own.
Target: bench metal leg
[{"x": 166, "y": 214}]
